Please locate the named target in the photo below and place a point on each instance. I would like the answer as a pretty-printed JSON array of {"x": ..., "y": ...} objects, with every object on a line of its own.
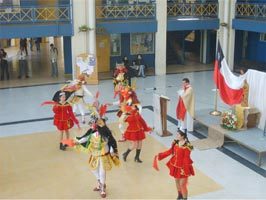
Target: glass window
[
  {"x": 263, "y": 37},
  {"x": 115, "y": 44},
  {"x": 141, "y": 43}
]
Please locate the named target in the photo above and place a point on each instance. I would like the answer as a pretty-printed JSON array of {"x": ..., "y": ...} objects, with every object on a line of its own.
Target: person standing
[
  {"x": 53, "y": 59},
  {"x": 64, "y": 117},
  {"x": 23, "y": 44},
  {"x": 31, "y": 44},
  {"x": 180, "y": 163},
  {"x": 135, "y": 131},
  {"x": 103, "y": 152},
  {"x": 4, "y": 64},
  {"x": 186, "y": 106},
  {"x": 23, "y": 67},
  {"x": 78, "y": 99}
]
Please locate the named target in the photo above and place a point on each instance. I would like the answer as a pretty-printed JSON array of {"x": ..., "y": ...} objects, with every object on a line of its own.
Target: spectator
[
  {"x": 31, "y": 44},
  {"x": 38, "y": 44},
  {"x": 3, "y": 64},
  {"x": 23, "y": 68},
  {"x": 141, "y": 67},
  {"x": 53, "y": 59},
  {"x": 23, "y": 44}
]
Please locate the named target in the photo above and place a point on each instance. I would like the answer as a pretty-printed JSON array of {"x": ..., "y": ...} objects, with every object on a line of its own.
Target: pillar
[
  {"x": 203, "y": 46},
  {"x": 231, "y": 40},
  {"x": 160, "y": 37},
  {"x": 92, "y": 25},
  {"x": 226, "y": 33},
  {"x": 79, "y": 39},
  {"x": 67, "y": 55}
]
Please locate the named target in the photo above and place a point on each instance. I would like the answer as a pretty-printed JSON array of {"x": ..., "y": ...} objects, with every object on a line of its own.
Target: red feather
[
  {"x": 97, "y": 94},
  {"x": 48, "y": 103},
  {"x": 103, "y": 109}
]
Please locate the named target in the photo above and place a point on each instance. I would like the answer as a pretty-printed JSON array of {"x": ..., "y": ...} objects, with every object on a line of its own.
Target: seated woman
[{"x": 139, "y": 62}]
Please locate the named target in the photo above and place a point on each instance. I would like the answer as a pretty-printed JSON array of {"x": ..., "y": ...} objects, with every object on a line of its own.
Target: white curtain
[{"x": 257, "y": 93}]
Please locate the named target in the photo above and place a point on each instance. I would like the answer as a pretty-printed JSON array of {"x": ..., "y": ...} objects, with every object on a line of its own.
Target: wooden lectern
[
  {"x": 163, "y": 110},
  {"x": 93, "y": 78}
]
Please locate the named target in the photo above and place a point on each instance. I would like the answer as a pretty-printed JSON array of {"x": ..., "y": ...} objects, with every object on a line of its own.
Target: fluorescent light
[{"x": 187, "y": 19}]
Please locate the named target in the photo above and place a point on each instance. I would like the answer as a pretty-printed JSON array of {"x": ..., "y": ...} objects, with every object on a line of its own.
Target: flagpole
[{"x": 215, "y": 112}]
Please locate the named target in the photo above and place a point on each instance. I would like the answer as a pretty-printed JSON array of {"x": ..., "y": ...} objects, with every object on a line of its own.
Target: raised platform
[{"x": 251, "y": 139}]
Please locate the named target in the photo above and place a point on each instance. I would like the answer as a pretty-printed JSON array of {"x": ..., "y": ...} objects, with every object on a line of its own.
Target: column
[
  {"x": 160, "y": 37},
  {"x": 223, "y": 31},
  {"x": 203, "y": 46},
  {"x": 231, "y": 41},
  {"x": 78, "y": 40},
  {"x": 67, "y": 55},
  {"x": 92, "y": 25}
]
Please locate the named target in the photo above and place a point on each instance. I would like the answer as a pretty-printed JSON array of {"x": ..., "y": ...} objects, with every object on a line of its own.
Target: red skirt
[
  {"x": 63, "y": 125},
  {"x": 180, "y": 172},
  {"x": 134, "y": 136}
]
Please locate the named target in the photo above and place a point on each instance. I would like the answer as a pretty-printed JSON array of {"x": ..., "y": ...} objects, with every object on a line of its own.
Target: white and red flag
[{"x": 230, "y": 86}]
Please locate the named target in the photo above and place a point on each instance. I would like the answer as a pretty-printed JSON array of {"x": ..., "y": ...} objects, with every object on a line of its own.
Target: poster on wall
[
  {"x": 115, "y": 44},
  {"x": 141, "y": 43}
]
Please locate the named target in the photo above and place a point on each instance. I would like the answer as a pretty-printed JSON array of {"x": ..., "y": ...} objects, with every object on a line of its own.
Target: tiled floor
[
  {"x": 237, "y": 180},
  {"x": 21, "y": 113}
]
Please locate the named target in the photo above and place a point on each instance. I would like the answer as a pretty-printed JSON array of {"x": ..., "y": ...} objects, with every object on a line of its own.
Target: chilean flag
[{"x": 230, "y": 86}]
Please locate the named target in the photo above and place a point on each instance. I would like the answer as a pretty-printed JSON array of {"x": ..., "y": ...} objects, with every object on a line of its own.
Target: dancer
[
  {"x": 180, "y": 163},
  {"x": 120, "y": 76},
  {"x": 135, "y": 131},
  {"x": 127, "y": 96},
  {"x": 186, "y": 106},
  {"x": 64, "y": 117},
  {"x": 103, "y": 153},
  {"x": 78, "y": 99}
]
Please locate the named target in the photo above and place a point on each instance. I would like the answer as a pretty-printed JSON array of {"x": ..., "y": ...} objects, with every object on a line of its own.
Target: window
[
  {"x": 9, "y": 5},
  {"x": 141, "y": 43},
  {"x": 115, "y": 44},
  {"x": 263, "y": 37}
]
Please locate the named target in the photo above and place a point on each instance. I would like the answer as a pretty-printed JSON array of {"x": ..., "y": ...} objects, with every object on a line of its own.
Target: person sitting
[
  {"x": 134, "y": 69},
  {"x": 141, "y": 68}
]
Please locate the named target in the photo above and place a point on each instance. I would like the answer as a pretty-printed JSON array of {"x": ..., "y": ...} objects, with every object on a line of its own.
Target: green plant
[{"x": 84, "y": 28}]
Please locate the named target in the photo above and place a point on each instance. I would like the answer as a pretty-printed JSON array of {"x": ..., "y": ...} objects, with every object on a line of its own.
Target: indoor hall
[{"x": 224, "y": 174}]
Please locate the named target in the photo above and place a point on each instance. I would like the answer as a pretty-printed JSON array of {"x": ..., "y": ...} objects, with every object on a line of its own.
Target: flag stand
[{"x": 215, "y": 112}]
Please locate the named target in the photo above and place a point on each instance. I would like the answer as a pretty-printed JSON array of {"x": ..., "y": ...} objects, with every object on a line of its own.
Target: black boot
[
  {"x": 62, "y": 147},
  {"x": 179, "y": 195},
  {"x": 126, "y": 154},
  {"x": 137, "y": 156}
]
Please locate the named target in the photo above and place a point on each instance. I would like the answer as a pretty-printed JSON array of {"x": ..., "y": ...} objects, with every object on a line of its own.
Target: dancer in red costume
[
  {"x": 64, "y": 117},
  {"x": 137, "y": 126},
  {"x": 120, "y": 76},
  {"x": 180, "y": 163}
]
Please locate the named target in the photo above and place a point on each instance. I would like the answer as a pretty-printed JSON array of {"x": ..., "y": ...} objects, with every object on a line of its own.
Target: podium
[
  {"x": 160, "y": 115},
  {"x": 92, "y": 78}
]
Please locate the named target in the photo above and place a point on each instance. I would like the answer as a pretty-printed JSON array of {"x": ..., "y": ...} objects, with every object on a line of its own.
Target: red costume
[
  {"x": 180, "y": 164},
  {"x": 64, "y": 117},
  {"x": 136, "y": 126}
]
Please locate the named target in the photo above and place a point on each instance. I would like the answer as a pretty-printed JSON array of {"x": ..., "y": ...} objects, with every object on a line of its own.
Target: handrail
[
  {"x": 197, "y": 9},
  {"x": 35, "y": 14},
  {"x": 250, "y": 10},
  {"x": 126, "y": 11}
]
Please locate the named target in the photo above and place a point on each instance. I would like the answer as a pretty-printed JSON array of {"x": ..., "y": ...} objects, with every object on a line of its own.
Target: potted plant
[{"x": 84, "y": 28}]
